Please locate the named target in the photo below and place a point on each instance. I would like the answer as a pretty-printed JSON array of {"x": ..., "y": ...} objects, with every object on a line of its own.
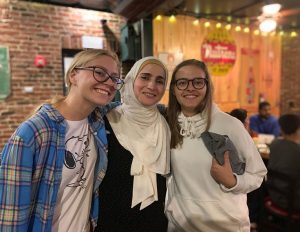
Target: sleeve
[
  {"x": 276, "y": 128},
  {"x": 255, "y": 170},
  {"x": 15, "y": 185}
]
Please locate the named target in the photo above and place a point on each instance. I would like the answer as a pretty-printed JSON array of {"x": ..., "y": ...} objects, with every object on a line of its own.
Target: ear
[{"x": 72, "y": 77}]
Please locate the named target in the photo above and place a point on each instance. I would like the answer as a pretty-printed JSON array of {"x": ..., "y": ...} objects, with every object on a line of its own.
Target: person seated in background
[
  {"x": 285, "y": 155},
  {"x": 264, "y": 122},
  {"x": 255, "y": 197},
  {"x": 241, "y": 114}
]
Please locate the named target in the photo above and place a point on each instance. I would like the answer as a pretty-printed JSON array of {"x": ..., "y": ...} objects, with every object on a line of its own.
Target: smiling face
[
  {"x": 190, "y": 98},
  {"x": 149, "y": 85},
  {"x": 87, "y": 89}
]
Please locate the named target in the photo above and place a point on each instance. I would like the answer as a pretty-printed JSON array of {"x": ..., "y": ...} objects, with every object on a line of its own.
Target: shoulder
[
  {"x": 224, "y": 118},
  {"x": 107, "y": 108},
  {"x": 38, "y": 127},
  {"x": 162, "y": 109},
  {"x": 223, "y": 123},
  {"x": 253, "y": 117},
  {"x": 273, "y": 119}
]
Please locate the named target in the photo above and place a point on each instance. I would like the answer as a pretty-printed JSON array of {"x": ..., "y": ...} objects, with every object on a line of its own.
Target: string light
[
  {"x": 207, "y": 24},
  {"x": 158, "y": 18},
  {"x": 256, "y": 32},
  {"x": 293, "y": 34},
  {"x": 196, "y": 22},
  {"x": 228, "y": 27},
  {"x": 246, "y": 30},
  {"x": 238, "y": 28},
  {"x": 172, "y": 19}
]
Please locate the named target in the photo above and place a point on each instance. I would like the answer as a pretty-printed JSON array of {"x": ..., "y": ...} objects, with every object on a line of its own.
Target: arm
[
  {"x": 15, "y": 185},
  {"x": 254, "y": 124},
  {"x": 255, "y": 170}
]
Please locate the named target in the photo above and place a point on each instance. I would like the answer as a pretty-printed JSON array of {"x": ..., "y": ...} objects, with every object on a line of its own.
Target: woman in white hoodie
[{"x": 205, "y": 194}]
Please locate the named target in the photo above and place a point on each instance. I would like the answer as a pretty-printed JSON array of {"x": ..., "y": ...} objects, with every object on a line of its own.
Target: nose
[
  {"x": 190, "y": 86},
  {"x": 111, "y": 83},
  {"x": 151, "y": 85}
]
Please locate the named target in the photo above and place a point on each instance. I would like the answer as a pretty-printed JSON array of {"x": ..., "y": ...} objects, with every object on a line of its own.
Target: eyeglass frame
[
  {"x": 116, "y": 80},
  {"x": 192, "y": 80}
]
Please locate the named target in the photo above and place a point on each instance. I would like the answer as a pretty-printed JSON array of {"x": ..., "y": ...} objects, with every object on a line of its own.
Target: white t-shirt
[{"x": 75, "y": 192}]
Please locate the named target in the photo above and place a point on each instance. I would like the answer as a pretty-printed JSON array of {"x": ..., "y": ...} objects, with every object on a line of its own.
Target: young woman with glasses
[
  {"x": 54, "y": 162},
  {"x": 204, "y": 195},
  {"x": 133, "y": 191}
]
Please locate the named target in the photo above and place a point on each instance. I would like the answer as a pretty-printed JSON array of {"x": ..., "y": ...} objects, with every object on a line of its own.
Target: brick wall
[
  {"x": 29, "y": 29},
  {"x": 290, "y": 80}
]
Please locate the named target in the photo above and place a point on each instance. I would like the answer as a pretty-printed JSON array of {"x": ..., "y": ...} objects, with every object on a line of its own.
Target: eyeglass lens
[{"x": 101, "y": 75}]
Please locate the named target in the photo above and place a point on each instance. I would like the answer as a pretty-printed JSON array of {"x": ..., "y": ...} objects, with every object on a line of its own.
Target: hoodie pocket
[{"x": 193, "y": 215}]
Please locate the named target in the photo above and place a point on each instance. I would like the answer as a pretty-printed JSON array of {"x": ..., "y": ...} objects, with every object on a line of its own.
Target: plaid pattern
[{"x": 31, "y": 169}]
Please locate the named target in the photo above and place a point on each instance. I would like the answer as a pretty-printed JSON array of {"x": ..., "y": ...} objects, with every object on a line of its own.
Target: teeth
[
  {"x": 190, "y": 96},
  {"x": 150, "y": 94},
  {"x": 101, "y": 91}
]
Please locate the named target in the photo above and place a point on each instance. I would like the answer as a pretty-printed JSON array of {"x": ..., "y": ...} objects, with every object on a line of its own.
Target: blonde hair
[{"x": 85, "y": 56}]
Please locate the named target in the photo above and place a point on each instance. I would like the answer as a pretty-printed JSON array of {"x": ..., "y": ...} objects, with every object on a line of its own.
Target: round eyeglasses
[
  {"x": 101, "y": 75},
  {"x": 198, "y": 83}
]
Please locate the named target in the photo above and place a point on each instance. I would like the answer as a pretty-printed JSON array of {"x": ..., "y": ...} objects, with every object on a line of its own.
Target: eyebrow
[
  {"x": 113, "y": 73},
  {"x": 149, "y": 74}
]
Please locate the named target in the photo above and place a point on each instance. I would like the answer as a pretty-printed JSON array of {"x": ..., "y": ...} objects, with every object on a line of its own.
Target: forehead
[
  {"x": 266, "y": 108},
  {"x": 106, "y": 62},
  {"x": 190, "y": 71},
  {"x": 154, "y": 69}
]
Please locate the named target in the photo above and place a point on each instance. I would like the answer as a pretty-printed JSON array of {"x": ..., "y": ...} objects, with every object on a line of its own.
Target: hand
[{"x": 223, "y": 174}]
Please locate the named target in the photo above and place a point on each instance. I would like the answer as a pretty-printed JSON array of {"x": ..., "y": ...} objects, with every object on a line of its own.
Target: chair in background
[{"x": 276, "y": 218}]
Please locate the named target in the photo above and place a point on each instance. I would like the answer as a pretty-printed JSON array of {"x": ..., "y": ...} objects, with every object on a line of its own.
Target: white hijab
[{"x": 145, "y": 133}]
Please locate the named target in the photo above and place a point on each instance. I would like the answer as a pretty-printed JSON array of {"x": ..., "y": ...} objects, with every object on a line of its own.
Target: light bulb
[
  {"x": 271, "y": 9},
  {"x": 268, "y": 25}
]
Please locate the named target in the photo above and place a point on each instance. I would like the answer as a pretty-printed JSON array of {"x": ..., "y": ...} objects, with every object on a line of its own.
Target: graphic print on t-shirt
[{"x": 77, "y": 159}]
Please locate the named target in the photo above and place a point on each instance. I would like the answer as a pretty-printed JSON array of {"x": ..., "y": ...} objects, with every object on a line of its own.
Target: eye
[
  {"x": 181, "y": 82},
  {"x": 199, "y": 82},
  {"x": 160, "y": 81},
  {"x": 100, "y": 72},
  {"x": 144, "y": 77}
]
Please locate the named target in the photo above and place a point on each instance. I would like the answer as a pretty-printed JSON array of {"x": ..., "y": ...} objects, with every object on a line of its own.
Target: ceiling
[{"x": 240, "y": 11}]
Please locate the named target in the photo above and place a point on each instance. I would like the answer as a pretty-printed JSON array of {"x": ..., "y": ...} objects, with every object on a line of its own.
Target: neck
[
  {"x": 72, "y": 110},
  {"x": 293, "y": 137}
]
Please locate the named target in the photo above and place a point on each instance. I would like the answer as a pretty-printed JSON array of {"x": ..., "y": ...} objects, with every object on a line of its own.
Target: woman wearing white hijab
[{"x": 133, "y": 190}]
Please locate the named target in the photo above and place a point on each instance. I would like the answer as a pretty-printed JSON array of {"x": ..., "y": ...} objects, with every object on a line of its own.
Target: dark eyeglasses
[
  {"x": 101, "y": 76},
  {"x": 198, "y": 83}
]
